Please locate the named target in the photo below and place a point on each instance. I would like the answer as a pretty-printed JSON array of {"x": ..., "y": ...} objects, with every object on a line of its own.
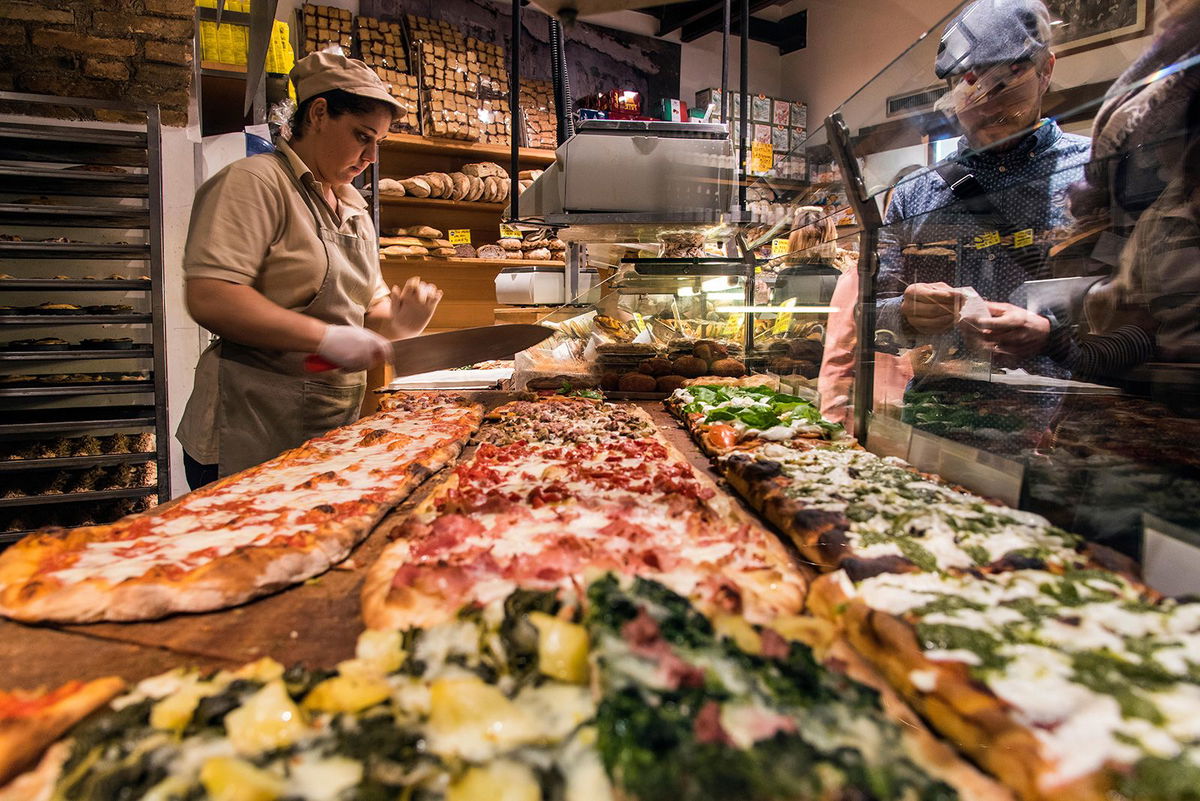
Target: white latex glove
[
  {"x": 413, "y": 306},
  {"x": 353, "y": 348}
]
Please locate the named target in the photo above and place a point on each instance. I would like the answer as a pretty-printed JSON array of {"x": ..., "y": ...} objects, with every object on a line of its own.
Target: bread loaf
[
  {"x": 425, "y": 231},
  {"x": 417, "y": 187}
]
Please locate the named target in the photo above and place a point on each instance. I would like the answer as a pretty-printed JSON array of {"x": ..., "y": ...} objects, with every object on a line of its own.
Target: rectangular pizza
[
  {"x": 1065, "y": 684},
  {"x": 598, "y": 489},
  {"x": 725, "y": 418},
  {"x": 246, "y": 535}
]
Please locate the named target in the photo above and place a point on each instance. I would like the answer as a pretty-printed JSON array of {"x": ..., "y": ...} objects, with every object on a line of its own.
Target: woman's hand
[
  {"x": 353, "y": 348},
  {"x": 413, "y": 306}
]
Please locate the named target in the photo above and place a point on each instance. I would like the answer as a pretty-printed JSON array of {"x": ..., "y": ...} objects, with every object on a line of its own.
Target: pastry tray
[
  {"x": 61, "y": 421},
  {"x": 76, "y": 497},
  {"x": 71, "y": 462},
  {"x": 73, "y": 250},
  {"x": 85, "y": 284}
]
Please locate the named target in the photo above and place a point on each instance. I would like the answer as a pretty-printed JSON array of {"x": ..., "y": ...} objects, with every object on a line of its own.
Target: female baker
[{"x": 282, "y": 261}]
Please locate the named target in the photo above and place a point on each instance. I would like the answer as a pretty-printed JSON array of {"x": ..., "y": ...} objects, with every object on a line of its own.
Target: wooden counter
[{"x": 315, "y": 623}]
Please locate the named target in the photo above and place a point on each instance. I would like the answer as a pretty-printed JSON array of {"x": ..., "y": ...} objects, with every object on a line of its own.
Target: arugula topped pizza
[{"x": 724, "y": 418}]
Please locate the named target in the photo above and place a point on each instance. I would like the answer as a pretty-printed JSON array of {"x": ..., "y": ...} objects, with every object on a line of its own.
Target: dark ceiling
[{"x": 696, "y": 18}]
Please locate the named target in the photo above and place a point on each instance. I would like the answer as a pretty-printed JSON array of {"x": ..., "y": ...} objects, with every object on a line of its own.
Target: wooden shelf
[
  {"x": 409, "y": 143},
  {"x": 452, "y": 261},
  {"x": 441, "y": 204}
]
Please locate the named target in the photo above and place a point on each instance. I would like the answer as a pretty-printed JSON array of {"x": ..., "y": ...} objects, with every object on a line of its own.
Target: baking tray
[
  {"x": 136, "y": 352},
  {"x": 66, "y": 390},
  {"x": 64, "y": 181},
  {"x": 72, "y": 319},
  {"x": 77, "y": 497},
  {"x": 71, "y": 462},
  {"x": 41, "y": 215},
  {"x": 37, "y": 422},
  {"x": 74, "y": 284},
  {"x": 73, "y": 250}
]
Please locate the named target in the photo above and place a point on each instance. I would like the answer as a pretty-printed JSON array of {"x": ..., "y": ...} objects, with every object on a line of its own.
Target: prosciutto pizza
[
  {"x": 252, "y": 533},
  {"x": 594, "y": 498}
]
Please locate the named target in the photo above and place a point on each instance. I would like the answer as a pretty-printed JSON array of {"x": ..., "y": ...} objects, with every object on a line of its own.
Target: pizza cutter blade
[{"x": 455, "y": 348}]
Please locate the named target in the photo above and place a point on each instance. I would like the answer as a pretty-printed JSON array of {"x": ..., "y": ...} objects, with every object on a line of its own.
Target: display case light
[{"x": 758, "y": 309}]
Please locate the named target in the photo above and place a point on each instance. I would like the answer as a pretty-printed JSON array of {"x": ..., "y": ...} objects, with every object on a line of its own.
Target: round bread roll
[
  {"x": 491, "y": 189},
  {"x": 476, "y": 190},
  {"x": 637, "y": 382},
  {"x": 417, "y": 187},
  {"x": 510, "y": 244},
  {"x": 540, "y": 254},
  {"x": 444, "y": 186},
  {"x": 461, "y": 185},
  {"x": 490, "y": 252},
  {"x": 390, "y": 186}
]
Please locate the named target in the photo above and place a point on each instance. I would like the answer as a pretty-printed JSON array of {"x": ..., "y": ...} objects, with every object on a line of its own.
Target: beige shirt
[{"x": 250, "y": 226}]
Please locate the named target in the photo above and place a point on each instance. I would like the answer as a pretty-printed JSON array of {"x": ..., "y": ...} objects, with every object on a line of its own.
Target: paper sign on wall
[
  {"x": 762, "y": 157},
  {"x": 460, "y": 236},
  {"x": 509, "y": 231}
]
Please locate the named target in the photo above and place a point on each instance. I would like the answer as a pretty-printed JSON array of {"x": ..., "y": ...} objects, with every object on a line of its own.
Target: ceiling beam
[
  {"x": 714, "y": 19},
  {"x": 675, "y": 16}
]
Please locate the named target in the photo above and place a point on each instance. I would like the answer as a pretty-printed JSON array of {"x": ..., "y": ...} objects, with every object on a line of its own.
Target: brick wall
[{"x": 132, "y": 50}]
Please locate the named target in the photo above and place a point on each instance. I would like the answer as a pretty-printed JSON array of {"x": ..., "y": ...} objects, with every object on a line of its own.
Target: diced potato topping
[
  {"x": 232, "y": 779},
  {"x": 562, "y": 648},
  {"x": 502, "y": 780},
  {"x": 268, "y": 719},
  {"x": 349, "y": 693}
]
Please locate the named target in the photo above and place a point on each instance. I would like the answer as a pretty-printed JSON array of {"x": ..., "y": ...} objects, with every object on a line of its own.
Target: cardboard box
[
  {"x": 672, "y": 110},
  {"x": 781, "y": 112},
  {"x": 709, "y": 96}
]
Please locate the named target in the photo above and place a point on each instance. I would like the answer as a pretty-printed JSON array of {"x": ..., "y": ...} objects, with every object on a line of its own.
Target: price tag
[
  {"x": 639, "y": 322},
  {"x": 990, "y": 239},
  {"x": 784, "y": 321},
  {"x": 1170, "y": 556},
  {"x": 1023, "y": 239},
  {"x": 460, "y": 236},
  {"x": 779, "y": 247},
  {"x": 762, "y": 157},
  {"x": 733, "y": 325},
  {"x": 510, "y": 232}
]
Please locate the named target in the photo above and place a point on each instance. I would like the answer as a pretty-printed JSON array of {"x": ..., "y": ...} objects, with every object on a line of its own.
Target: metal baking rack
[{"x": 60, "y": 181}]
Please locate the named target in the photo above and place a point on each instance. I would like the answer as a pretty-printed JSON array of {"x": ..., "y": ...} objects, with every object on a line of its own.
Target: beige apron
[{"x": 266, "y": 402}]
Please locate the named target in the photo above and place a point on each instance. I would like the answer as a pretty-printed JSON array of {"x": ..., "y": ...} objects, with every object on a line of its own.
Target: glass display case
[{"x": 1026, "y": 318}]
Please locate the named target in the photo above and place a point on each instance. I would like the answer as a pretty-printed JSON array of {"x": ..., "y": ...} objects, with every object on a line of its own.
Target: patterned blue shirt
[{"x": 1028, "y": 185}]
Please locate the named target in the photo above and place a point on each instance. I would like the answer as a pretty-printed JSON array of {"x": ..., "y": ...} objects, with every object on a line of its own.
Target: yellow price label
[
  {"x": 762, "y": 157},
  {"x": 460, "y": 236},
  {"x": 639, "y": 322},
  {"x": 784, "y": 321},
  {"x": 1023, "y": 239},
  {"x": 733, "y": 325},
  {"x": 990, "y": 239},
  {"x": 509, "y": 231},
  {"x": 779, "y": 247}
]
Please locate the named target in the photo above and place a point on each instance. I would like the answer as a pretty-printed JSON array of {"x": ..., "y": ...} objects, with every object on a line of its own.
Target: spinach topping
[{"x": 948, "y": 637}]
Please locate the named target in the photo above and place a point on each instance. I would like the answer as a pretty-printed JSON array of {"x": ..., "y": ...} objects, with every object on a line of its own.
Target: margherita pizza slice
[
  {"x": 252, "y": 533},
  {"x": 31, "y": 721}
]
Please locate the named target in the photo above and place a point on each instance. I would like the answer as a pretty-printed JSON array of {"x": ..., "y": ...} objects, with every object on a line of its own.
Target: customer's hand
[
  {"x": 413, "y": 307},
  {"x": 353, "y": 348},
  {"x": 931, "y": 308},
  {"x": 1010, "y": 331}
]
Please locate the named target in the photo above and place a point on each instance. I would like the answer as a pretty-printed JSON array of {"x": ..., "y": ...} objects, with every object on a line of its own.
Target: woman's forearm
[{"x": 244, "y": 315}]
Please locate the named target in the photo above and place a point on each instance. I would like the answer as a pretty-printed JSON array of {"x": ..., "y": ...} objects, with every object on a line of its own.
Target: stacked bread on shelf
[
  {"x": 526, "y": 178},
  {"x": 415, "y": 240},
  {"x": 541, "y": 123},
  {"x": 449, "y": 79},
  {"x": 382, "y": 46},
  {"x": 484, "y": 182},
  {"x": 535, "y": 249},
  {"x": 326, "y": 26}
]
